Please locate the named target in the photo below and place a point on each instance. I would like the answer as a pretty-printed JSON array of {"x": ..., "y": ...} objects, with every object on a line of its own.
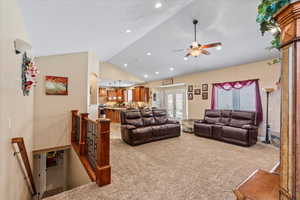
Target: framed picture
[
  {"x": 204, "y": 95},
  {"x": 197, "y": 91},
  {"x": 190, "y": 96},
  {"x": 55, "y": 85},
  {"x": 190, "y": 88},
  {"x": 204, "y": 87}
]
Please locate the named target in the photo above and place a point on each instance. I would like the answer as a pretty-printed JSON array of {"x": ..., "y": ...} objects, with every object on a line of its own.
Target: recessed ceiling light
[
  {"x": 171, "y": 68},
  {"x": 219, "y": 47},
  {"x": 185, "y": 58},
  {"x": 125, "y": 65},
  {"x": 128, "y": 31},
  {"x": 146, "y": 76},
  {"x": 156, "y": 73},
  {"x": 158, "y": 5},
  {"x": 149, "y": 54}
]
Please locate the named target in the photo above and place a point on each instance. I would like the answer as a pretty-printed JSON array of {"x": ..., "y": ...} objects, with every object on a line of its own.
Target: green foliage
[{"x": 266, "y": 10}]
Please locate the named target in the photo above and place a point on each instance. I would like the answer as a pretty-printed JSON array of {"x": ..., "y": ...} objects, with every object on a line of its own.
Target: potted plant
[{"x": 266, "y": 10}]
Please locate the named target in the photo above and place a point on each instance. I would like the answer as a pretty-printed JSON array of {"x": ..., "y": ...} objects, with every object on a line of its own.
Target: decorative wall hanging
[
  {"x": 29, "y": 74},
  {"x": 190, "y": 88},
  {"x": 190, "y": 96},
  {"x": 204, "y": 95},
  {"x": 204, "y": 87},
  {"x": 56, "y": 85},
  {"x": 167, "y": 81},
  {"x": 197, "y": 91}
]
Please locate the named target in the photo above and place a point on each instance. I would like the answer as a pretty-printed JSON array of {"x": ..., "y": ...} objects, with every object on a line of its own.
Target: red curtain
[{"x": 239, "y": 85}]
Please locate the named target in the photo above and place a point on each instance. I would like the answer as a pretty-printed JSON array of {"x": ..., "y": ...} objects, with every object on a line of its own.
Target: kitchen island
[{"x": 114, "y": 113}]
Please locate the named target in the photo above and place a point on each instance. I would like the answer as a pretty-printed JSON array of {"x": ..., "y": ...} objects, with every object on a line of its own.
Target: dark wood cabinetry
[
  {"x": 116, "y": 95},
  {"x": 113, "y": 114},
  {"x": 102, "y": 92},
  {"x": 140, "y": 94}
]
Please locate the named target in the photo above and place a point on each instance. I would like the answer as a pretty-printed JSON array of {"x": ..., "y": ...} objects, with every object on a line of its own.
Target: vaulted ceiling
[{"x": 67, "y": 26}]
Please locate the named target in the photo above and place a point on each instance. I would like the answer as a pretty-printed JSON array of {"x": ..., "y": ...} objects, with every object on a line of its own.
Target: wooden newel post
[
  {"x": 289, "y": 21},
  {"x": 73, "y": 131},
  {"x": 103, "y": 169},
  {"x": 83, "y": 134}
]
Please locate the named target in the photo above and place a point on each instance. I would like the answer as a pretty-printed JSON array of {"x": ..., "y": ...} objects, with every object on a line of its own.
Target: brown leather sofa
[
  {"x": 142, "y": 126},
  {"x": 233, "y": 126}
]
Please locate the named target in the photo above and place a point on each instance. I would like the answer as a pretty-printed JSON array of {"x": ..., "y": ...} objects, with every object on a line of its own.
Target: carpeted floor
[{"x": 183, "y": 168}]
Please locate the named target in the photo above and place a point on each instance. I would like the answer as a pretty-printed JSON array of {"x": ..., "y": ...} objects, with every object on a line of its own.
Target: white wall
[
  {"x": 267, "y": 74},
  {"x": 109, "y": 71},
  {"x": 93, "y": 75},
  {"x": 14, "y": 106},
  {"x": 76, "y": 174},
  {"x": 52, "y": 113}
]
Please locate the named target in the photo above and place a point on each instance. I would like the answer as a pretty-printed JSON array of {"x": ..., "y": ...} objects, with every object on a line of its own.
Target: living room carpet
[{"x": 183, "y": 168}]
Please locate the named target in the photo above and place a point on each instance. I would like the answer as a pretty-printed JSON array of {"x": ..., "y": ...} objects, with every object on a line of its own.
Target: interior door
[{"x": 175, "y": 103}]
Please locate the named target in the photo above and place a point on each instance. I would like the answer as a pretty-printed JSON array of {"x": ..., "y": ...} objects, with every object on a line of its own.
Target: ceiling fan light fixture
[
  {"x": 195, "y": 44},
  {"x": 195, "y": 52},
  {"x": 158, "y": 5}
]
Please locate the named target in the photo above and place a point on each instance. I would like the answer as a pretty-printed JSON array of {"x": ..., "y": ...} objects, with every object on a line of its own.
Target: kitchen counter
[
  {"x": 114, "y": 114},
  {"x": 115, "y": 108}
]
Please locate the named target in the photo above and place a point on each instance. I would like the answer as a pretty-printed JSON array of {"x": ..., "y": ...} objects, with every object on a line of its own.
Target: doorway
[{"x": 174, "y": 100}]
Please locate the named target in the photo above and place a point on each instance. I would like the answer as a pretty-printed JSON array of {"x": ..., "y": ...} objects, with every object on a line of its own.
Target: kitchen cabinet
[
  {"x": 113, "y": 114},
  {"x": 111, "y": 95},
  {"x": 102, "y": 92},
  {"x": 116, "y": 95},
  {"x": 120, "y": 95},
  {"x": 140, "y": 94}
]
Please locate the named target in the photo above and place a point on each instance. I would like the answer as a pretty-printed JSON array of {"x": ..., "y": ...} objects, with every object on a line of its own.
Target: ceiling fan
[{"x": 196, "y": 49}]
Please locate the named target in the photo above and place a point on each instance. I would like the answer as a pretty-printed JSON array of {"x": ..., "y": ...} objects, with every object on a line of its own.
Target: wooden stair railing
[
  {"x": 93, "y": 146},
  {"x": 22, "y": 150}
]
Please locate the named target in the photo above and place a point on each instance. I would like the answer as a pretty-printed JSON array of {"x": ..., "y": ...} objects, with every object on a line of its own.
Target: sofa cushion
[
  {"x": 147, "y": 116},
  {"x": 159, "y": 130},
  {"x": 212, "y": 116},
  {"x": 235, "y": 133},
  {"x": 241, "y": 118},
  {"x": 160, "y": 116},
  {"x": 225, "y": 116},
  {"x": 134, "y": 118}
]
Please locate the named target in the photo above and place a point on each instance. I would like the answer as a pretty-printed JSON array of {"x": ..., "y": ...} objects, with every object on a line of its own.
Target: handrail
[
  {"x": 75, "y": 135},
  {"x": 93, "y": 147},
  {"x": 22, "y": 150}
]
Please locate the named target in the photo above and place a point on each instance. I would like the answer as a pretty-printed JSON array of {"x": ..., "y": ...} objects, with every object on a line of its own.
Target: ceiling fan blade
[
  {"x": 187, "y": 55},
  {"x": 211, "y": 45},
  {"x": 179, "y": 50},
  {"x": 205, "y": 52}
]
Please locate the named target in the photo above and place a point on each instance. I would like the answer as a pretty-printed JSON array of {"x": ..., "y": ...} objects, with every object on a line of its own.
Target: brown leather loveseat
[
  {"x": 238, "y": 127},
  {"x": 142, "y": 126}
]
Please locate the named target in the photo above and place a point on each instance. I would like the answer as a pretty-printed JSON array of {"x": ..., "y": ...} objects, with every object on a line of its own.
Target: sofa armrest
[
  {"x": 127, "y": 126},
  {"x": 249, "y": 127},
  {"x": 200, "y": 121},
  {"x": 172, "y": 121}
]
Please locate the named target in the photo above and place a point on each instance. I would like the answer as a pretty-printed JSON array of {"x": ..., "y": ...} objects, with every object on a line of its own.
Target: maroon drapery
[{"x": 239, "y": 85}]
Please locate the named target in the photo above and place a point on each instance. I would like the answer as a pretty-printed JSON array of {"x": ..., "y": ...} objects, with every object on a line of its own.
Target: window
[
  {"x": 129, "y": 95},
  {"x": 236, "y": 99},
  {"x": 238, "y": 95}
]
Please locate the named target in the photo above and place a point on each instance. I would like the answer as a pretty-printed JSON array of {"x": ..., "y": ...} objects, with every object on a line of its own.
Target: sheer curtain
[{"x": 238, "y": 95}]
